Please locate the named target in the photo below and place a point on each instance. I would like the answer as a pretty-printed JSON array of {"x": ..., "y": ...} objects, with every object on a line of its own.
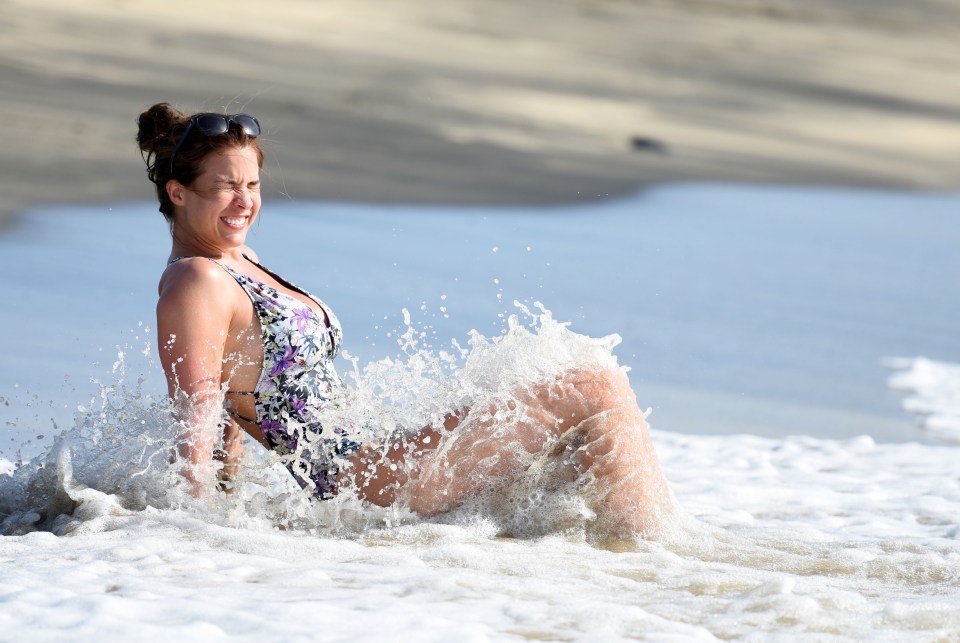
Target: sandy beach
[{"x": 474, "y": 102}]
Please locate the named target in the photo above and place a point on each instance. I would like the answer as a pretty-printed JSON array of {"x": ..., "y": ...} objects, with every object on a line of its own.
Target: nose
[{"x": 243, "y": 198}]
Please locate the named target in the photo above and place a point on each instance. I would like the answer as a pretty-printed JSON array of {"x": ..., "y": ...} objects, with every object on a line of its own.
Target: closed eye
[{"x": 236, "y": 186}]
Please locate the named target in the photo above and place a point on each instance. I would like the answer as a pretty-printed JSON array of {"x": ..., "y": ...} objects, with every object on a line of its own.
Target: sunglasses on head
[{"x": 216, "y": 125}]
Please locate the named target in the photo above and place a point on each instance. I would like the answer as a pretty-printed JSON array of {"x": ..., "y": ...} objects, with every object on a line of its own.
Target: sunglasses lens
[
  {"x": 212, "y": 124},
  {"x": 249, "y": 123}
]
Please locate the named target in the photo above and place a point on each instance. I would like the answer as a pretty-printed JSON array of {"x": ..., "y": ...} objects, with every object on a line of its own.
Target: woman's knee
[
  {"x": 596, "y": 391},
  {"x": 576, "y": 395}
]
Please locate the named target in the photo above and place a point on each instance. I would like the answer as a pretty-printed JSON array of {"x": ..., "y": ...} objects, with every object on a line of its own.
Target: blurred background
[{"x": 488, "y": 101}]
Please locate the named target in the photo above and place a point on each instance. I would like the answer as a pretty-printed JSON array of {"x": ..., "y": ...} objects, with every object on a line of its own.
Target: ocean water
[{"x": 797, "y": 348}]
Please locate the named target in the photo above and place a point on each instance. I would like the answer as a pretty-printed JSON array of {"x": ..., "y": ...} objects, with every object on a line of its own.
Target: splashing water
[
  {"x": 118, "y": 447},
  {"x": 122, "y": 449}
]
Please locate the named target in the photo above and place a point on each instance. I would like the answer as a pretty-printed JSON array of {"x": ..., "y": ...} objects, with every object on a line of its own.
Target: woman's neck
[{"x": 181, "y": 249}]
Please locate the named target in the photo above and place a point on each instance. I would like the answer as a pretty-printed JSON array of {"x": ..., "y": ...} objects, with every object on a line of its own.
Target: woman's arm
[{"x": 194, "y": 317}]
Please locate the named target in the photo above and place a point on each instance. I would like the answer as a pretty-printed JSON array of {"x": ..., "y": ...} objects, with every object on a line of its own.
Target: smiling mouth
[{"x": 237, "y": 223}]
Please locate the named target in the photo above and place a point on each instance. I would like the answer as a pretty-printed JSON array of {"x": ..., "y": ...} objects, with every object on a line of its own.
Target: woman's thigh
[{"x": 434, "y": 471}]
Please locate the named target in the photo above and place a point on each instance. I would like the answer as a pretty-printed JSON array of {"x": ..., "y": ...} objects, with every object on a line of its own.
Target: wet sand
[{"x": 478, "y": 102}]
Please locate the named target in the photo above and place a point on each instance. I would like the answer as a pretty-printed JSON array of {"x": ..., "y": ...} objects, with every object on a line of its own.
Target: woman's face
[{"x": 218, "y": 209}]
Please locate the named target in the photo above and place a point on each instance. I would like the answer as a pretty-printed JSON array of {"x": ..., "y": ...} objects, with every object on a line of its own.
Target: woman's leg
[
  {"x": 590, "y": 417},
  {"x": 626, "y": 488}
]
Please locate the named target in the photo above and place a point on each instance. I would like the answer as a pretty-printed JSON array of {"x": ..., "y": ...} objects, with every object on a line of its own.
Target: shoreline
[
  {"x": 465, "y": 104},
  {"x": 9, "y": 217}
]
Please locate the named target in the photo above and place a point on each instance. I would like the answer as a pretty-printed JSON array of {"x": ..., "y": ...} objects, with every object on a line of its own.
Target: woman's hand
[{"x": 230, "y": 456}]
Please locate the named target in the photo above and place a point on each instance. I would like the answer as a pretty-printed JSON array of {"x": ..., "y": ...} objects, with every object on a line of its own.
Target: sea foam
[{"x": 934, "y": 389}]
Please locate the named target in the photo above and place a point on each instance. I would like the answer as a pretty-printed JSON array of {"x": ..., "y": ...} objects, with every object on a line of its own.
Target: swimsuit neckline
[{"x": 321, "y": 309}]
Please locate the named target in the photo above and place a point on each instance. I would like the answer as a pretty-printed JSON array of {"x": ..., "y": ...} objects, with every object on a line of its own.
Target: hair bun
[{"x": 155, "y": 126}]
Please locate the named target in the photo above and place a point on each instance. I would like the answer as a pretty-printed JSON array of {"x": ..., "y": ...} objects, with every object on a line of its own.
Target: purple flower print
[
  {"x": 272, "y": 430},
  {"x": 284, "y": 360},
  {"x": 297, "y": 405},
  {"x": 302, "y": 317},
  {"x": 292, "y": 440},
  {"x": 269, "y": 303}
]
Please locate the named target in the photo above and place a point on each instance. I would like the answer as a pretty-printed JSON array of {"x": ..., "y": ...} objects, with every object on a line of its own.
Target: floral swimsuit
[{"x": 296, "y": 382}]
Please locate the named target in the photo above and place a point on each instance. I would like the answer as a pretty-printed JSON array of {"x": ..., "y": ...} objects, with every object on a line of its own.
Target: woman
[{"x": 236, "y": 337}]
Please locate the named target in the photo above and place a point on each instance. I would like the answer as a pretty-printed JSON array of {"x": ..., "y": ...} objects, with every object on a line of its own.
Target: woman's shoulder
[{"x": 193, "y": 276}]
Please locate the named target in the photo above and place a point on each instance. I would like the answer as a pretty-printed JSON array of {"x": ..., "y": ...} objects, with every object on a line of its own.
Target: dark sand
[{"x": 488, "y": 102}]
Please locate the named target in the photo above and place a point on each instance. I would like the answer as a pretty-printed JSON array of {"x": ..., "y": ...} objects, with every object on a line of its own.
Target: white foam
[
  {"x": 786, "y": 538},
  {"x": 935, "y": 394}
]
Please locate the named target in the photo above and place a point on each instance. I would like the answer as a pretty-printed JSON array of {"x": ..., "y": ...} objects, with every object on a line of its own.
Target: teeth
[{"x": 235, "y": 221}]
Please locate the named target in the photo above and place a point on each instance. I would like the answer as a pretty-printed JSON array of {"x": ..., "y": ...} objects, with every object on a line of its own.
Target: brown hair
[{"x": 160, "y": 129}]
